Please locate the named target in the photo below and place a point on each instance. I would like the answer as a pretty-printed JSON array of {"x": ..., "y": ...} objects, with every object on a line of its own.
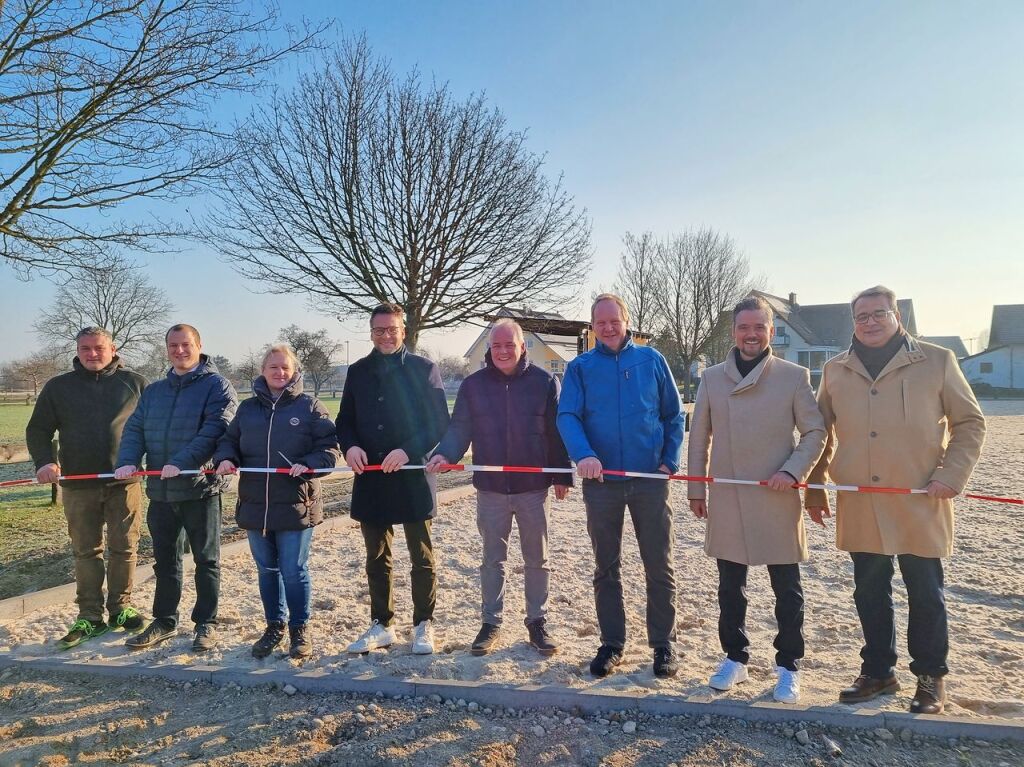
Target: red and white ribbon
[{"x": 549, "y": 470}]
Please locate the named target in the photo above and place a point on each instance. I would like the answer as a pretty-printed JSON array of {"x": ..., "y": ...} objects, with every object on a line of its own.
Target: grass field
[{"x": 13, "y": 419}]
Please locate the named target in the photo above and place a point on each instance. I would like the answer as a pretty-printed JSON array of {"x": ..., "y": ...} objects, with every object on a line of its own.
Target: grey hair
[
  {"x": 617, "y": 300},
  {"x": 877, "y": 290},
  {"x": 284, "y": 349},
  {"x": 508, "y": 322},
  {"x": 93, "y": 330}
]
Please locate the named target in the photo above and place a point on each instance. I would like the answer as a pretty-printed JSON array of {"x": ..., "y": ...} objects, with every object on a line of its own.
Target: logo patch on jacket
[{"x": 293, "y": 421}]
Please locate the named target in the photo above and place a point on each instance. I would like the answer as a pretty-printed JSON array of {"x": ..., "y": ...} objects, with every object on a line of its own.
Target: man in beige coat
[
  {"x": 747, "y": 413},
  {"x": 899, "y": 414}
]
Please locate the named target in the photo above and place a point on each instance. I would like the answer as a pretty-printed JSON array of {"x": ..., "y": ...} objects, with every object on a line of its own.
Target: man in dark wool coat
[{"x": 393, "y": 412}]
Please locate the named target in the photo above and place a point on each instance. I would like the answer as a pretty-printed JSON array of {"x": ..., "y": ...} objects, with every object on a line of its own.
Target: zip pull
[{"x": 627, "y": 375}]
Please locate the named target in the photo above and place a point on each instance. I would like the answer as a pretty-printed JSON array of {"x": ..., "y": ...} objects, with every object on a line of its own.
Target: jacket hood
[
  {"x": 206, "y": 366},
  {"x": 115, "y": 365},
  {"x": 261, "y": 389},
  {"x": 521, "y": 366}
]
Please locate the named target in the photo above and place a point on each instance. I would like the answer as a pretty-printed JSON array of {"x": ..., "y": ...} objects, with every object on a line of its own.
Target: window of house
[
  {"x": 986, "y": 367},
  {"x": 529, "y": 343},
  {"x": 814, "y": 359}
]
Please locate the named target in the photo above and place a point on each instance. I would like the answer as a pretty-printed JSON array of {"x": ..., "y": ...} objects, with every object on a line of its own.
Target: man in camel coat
[
  {"x": 899, "y": 414},
  {"x": 748, "y": 410}
]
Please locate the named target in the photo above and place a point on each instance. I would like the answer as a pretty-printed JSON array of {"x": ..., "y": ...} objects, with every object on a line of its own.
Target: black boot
[
  {"x": 540, "y": 638},
  {"x": 301, "y": 647},
  {"x": 271, "y": 638}
]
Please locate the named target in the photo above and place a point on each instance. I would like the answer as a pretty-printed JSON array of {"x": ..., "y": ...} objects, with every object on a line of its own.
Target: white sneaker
[
  {"x": 423, "y": 638},
  {"x": 729, "y": 674},
  {"x": 374, "y": 637},
  {"x": 787, "y": 689}
]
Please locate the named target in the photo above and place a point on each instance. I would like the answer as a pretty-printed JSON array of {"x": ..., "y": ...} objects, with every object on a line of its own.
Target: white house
[{"x": 1002, "y": 364}]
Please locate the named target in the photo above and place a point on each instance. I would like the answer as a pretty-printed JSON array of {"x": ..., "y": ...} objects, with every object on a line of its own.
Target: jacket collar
[
  {"x": 733, "y": 373},
  {"x": 291, "y": 392},
  {"x": 604, "y": 349},
  {"x": 909, "y": 354},
  {"x": 524, "y": 362},
  {"x": 115, "y": 365},
  {"x": 205, "y": 367},
  {"x": 384, "y": 361}
]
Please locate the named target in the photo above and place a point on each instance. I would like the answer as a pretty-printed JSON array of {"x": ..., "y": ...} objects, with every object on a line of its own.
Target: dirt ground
[{"x": 54, "y": 720}]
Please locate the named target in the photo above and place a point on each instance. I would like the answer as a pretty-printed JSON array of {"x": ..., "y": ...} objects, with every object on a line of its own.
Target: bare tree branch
[
  {"x": 316, "y": 351},
  {"x": 106, "y": 101},
  {"x": 639, "y": 281},
  {"x": 358, "y": 188}
]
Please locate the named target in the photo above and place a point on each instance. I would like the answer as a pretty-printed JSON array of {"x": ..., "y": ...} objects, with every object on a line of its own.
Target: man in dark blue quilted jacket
[{"x": 176, "y": 426}]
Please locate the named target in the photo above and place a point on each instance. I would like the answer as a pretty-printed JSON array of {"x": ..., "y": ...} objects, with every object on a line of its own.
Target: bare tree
[
  {"x": 119, "y": 298},
  {"x": 106, "y": 102},
  {"x": 451, "y": 367},
  {"x": 36, "y": 369},
  {"x": 316, "y": 352},
  {"x": 249, "y": 368},
  {"x": 703, "y": 275},
  {"x": 359, "y": 187},
  {"x": 639, "y": 280}
]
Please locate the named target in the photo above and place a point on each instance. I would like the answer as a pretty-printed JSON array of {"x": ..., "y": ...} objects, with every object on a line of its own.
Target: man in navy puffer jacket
[
  {"x": 620, "y": 410},
  {"x": 508, "y": 410},
  {"x": 176, "y": 426}
]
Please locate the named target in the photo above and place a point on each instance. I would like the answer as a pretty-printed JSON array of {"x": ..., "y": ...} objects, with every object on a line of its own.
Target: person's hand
[
  {"x": 48, "y": 474},
  {"x": 356, "y": 459},
  {"x": 817, "y": 514},
  {"x": 297, "y": 469},
  {"x": 433, "y": 466},
  {"x": 226, "y": 467},
  {"x": 590, "y": 468},
  {"x": 781, "y": 480},
  {"x": 699, "y": 507},
  {"x": 124, "y": 472},
  {"x": 936, "y": 489},
  {"x": 561, "y": 492},
  {"x": 394, "y": 460},
  {"x": 169, "y": 471}
]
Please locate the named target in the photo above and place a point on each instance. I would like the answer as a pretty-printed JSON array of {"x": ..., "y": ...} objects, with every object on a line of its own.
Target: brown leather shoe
[
  {"x": 867, "y": 687},
  {"x": 930, "y": 697}
]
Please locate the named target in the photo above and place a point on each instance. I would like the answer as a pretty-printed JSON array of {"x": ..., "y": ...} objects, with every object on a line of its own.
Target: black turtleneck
[
  {"x": 745, "y": 366},
  {"x": 875, "y": 358}
]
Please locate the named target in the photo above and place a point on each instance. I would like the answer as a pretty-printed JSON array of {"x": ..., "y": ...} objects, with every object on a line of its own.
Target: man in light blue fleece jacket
[{"x": 620, "y": 410}]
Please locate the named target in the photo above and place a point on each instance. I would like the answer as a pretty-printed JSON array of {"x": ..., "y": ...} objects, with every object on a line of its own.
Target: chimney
[{"x": 792, "y": 300}]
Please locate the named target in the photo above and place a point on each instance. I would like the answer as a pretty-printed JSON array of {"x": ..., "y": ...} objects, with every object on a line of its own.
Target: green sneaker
[
  {"x": 128, "y": 619},
  {"x": 81, "y": 630}
]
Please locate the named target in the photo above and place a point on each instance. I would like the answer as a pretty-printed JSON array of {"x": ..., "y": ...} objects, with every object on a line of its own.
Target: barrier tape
[{"x": 548, "y": 470}]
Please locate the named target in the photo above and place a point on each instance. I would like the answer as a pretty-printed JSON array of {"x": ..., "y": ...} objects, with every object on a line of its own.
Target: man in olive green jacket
[{"x": 899, "y": 414}]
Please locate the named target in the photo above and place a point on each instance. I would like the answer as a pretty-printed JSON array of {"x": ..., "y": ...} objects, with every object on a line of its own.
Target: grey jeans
[
  {"x": 647, "y": 500},
  {"x": 494, "y": 514}
]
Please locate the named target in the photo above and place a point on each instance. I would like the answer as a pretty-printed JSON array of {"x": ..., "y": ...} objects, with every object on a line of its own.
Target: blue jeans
[
  {"x": 281, "y": 558},
  {"x": 199, "y": 520}
]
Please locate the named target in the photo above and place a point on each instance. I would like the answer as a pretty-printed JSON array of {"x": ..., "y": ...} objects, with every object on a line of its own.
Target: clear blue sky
[{"x": 839, "y": 144}]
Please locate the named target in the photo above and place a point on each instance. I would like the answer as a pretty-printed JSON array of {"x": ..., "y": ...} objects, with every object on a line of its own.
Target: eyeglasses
[
  {"x": 381, "y": 332},
  {"x": 878, "y": 315}
]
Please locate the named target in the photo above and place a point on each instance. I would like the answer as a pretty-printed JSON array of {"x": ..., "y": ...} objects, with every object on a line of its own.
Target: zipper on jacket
[
  {"x": 618, "y": 406},
  {"x": 508, "y": 437},
  {"x": 167, "y": 431},
  {"x": 266, "y": 491}
]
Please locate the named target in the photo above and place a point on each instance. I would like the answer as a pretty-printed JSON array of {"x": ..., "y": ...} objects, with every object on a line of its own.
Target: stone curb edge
[
  {"x": 534, "y": 696},
  {"x": 20, "y": 606}
]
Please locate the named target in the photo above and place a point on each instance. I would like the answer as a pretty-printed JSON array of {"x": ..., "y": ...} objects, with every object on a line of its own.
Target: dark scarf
[
  {"x": 875, "y": 359},
  {"x": 745, "y": 366}
]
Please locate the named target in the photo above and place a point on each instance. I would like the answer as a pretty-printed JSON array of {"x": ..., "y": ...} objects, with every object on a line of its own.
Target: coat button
[
  {"x": 380, "y": 398},
  {"x": 380, "y": 427},
  {"x": 874, "y": 434},
  {"x": 874, "y": 391},
  {"x": 874, "y": 477}
]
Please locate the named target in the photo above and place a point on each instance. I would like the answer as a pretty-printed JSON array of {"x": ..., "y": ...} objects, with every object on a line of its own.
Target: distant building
[
  {"x": 954, "y": 343},
  {"x": 1001, "y": 365},
  {"x": 810, "y": 335}
]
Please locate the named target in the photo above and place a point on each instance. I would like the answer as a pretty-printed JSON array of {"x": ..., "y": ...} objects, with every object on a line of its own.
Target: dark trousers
[
  {"x": 927, "y": 625},
  {"x": 200, "y": 521},
  {"x": 647, "y": 501},
  {"x": 789, "y": 612},
  {"x": 378, "y": 542}
]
